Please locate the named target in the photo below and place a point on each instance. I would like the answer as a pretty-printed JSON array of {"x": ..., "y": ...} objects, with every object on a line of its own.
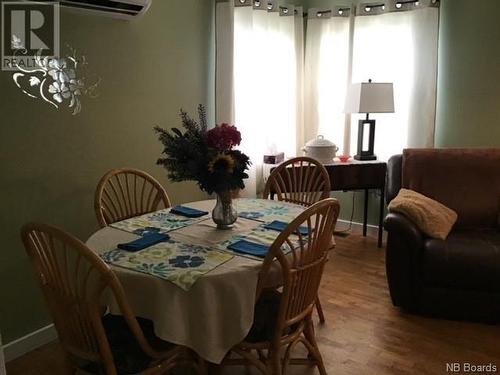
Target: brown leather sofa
[{"x": 458, "y": 278}]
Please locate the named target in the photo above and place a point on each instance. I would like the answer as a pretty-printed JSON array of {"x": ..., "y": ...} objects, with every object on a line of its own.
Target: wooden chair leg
[
  {"x": 274, "y": 363},
  {"x": 311, "y": 337},
  {"x": 319, "y": 308}
]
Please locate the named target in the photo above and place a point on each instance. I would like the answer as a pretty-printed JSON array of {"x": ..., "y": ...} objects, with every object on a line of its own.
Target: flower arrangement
[{"x": 205, "y": 156}]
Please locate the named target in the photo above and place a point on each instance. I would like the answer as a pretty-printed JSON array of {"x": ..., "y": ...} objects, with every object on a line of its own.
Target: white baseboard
[
  {"x": 31, "y": 341},
  {"x": 371, "y": 230}
]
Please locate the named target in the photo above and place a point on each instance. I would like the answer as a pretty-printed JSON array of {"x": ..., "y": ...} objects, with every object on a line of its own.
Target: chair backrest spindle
[
  {"x": 73, "y": 280},
  {"x": 302, "y": 265},
  {"x": 300, "y": 180},
  {"x": 125, "y": 193}
]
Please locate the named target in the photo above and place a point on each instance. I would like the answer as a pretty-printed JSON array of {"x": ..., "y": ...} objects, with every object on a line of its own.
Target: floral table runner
[
  {"x": 159, "y": 221},
  {"x": 180, "y": 263},
  {"x": 267, "y": 210},
  {"x": 184, "y": 263}
]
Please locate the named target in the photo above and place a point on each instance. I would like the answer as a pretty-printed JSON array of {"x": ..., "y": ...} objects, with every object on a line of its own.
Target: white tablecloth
[{"x": 216, "y": 313}]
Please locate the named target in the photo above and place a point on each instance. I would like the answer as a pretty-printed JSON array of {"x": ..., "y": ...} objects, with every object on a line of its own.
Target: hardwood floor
[{"x": 363, "y": 333}]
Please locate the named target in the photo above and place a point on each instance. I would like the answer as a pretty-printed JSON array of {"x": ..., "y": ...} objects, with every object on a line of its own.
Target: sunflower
[{"x": 221, "y": 163}]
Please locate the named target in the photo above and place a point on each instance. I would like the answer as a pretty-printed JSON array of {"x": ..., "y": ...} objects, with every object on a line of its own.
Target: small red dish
[{"x": 344, "y": 158}]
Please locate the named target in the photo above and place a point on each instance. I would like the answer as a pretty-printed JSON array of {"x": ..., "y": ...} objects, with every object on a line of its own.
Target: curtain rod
[
  {"x": 373, "y": 8},
  {"x": 363, "y": 9},
  {"x": 340, "y": 11}
]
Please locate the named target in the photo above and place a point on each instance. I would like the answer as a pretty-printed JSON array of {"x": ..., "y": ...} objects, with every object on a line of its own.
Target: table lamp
[{"x": 368, "y": 97}]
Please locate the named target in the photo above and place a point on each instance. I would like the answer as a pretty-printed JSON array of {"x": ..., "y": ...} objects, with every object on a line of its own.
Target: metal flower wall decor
[{"x": 61, "y": 81}]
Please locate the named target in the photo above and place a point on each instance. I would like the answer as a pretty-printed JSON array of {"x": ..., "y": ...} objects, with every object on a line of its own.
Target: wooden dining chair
[
  {"x": 126, "y": 192},
  {"x": 282, "y": 319},
  {"x": 301, "y": 180},
  {"x": 74, "y": 281}
]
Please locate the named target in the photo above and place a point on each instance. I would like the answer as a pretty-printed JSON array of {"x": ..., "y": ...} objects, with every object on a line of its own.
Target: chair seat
[
  {"x": 265, "y": 316},
  {"x": 128, "y": 357},
  {"x": 466, "y": 260}
]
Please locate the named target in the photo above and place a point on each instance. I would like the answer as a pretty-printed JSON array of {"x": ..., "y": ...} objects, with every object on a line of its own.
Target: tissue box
[{"x": 274, "y": 158}]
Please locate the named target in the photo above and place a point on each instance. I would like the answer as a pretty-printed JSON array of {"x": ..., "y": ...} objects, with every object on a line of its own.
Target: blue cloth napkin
[
  {"x": 251, "y": 248},
  {"x": 281, "y": 225},
  {"x": 188, "y": 211},
  {"x": 147, "y": 240}
]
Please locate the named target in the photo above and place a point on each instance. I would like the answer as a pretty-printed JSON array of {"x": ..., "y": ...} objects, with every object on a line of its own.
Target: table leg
[
  {"x": 365, "y": 217},
  {"x": 381, "y": 216}
]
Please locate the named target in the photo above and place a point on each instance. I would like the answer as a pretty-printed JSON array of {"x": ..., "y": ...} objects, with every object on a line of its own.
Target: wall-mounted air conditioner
[{"x": 124, "y": 9}]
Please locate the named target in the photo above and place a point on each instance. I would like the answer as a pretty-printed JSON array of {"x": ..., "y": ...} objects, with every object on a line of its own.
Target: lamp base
[
  {"x": 366, "y": 140},
  {"x": 365, "y": 157}
]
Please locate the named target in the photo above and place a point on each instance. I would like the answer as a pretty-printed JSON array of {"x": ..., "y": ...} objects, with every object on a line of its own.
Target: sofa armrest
[
  {"x": 393, "y": 179},
  {"x": 405, "y": 243},
  {"x": 399, "y": 224}
]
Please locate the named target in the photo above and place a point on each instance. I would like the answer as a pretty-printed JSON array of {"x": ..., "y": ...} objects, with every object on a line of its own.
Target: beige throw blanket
[{"x": 430, "y": 216}]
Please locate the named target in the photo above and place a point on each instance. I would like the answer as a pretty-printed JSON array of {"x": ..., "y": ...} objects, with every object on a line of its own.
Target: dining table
[{"x": 197, "y": 291}]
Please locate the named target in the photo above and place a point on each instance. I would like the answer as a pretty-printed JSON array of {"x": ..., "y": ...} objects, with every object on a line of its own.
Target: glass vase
[{"x": 224, "y": 213}]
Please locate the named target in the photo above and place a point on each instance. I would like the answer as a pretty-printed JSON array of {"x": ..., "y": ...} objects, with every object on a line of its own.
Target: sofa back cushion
[{"x": 465, "y": 180}]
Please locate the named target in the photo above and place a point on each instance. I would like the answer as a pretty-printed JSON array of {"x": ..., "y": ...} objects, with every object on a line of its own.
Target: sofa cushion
[
  {"x": 431, "y": 217},
  {"x": 465, "y": 180},
  {"x": 467, "y": 260}
]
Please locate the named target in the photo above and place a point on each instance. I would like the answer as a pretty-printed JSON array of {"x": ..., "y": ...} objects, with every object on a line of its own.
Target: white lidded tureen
[{"x": 320, "y": 149}]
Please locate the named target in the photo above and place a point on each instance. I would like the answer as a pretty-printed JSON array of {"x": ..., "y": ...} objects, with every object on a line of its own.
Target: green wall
[
  {"x": 51, "y": 161},
  {"x": 468, "y": 110}
]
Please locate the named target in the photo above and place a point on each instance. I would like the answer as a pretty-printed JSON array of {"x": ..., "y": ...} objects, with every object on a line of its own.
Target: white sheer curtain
[
  {"x": 398, "y": 47},
  {"x": 326, "y": 77},
  {"x": 260, "y": 88}
]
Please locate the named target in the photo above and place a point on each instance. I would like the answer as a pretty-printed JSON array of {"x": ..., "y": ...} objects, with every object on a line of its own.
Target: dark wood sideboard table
[{"x": 361, "y": 175}]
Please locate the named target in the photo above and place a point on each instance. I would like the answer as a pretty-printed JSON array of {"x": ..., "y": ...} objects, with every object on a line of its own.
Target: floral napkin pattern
[
  {"x": 180, "y": 263},
  {"x": 159, "y": 221},
  {"x": 267, "y": 210}
]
